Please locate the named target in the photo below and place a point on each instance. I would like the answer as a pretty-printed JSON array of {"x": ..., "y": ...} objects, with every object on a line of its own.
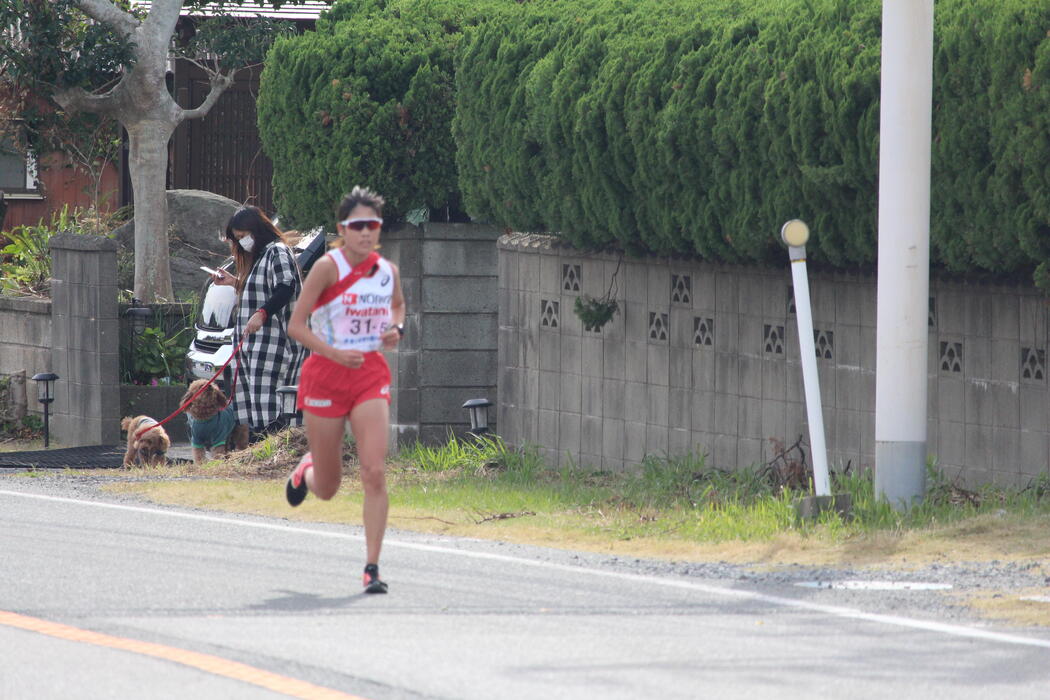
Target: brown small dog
[
  {"x": 212, "y": 427},
  {"x": 150, "y": 447}
]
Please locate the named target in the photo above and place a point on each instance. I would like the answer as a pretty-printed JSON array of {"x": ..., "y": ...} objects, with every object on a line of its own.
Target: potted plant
[
  {"x": 595, "y": 312},
  {"x": 154, "y": 372}
]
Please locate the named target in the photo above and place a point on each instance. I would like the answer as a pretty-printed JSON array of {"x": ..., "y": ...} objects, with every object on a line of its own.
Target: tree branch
[
  {"x": 219, "y": 83},
  {"x": 210, "y": 71},
  {"x": 80, "y": 100},
  {"x": 106, "y": 12}
]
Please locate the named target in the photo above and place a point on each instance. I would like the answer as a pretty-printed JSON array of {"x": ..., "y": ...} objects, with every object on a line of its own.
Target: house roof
[{"x": 309, "y": 9}]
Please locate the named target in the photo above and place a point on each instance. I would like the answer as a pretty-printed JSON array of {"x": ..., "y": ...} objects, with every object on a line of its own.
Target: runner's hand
[
  {"x": 348, "y": 358},
  {"x": 390, "y": 338}
]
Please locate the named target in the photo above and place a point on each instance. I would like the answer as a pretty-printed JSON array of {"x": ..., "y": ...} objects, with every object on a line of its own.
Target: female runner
[{"x": 356, "y": 308}]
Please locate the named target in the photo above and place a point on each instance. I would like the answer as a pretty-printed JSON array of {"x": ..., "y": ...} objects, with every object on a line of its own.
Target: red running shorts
[{"x": 332, "y": 390}]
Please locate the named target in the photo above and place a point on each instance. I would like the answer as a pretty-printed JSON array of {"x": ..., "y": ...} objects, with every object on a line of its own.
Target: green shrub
[
  {"x": 25, "y": 262},
  {"x": 699, "y": 126},
  {"x": 366, "y": 99},
  {"x": 990, "y": 187}
]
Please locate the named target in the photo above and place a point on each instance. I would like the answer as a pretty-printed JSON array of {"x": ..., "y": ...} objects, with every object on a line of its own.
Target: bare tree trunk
[
  {"x": 148, "y": 162},
  {"x": 141, "y": 104}
]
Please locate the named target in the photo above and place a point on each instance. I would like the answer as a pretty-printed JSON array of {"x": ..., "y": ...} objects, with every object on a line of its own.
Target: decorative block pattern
[
  {"x": 773, "y": 342},
  {"x": 681, "y": 289},
  {"x": 658, "y": 327},
  {"x": 570, "y": 278},
  {"x": 659, "y": 379},
  {"x": 704, "y": 331},
  {"x": 548, "y": 313},
  {"x": 1033, "y": 364},
  {"x": 824, "y": 342},
  {"x": 951, "y": 357}
]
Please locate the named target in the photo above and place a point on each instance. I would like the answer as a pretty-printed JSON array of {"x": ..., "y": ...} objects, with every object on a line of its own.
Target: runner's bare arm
[
  {"x": 392, "y": 336},
  {"x": 321, "y": 276}
]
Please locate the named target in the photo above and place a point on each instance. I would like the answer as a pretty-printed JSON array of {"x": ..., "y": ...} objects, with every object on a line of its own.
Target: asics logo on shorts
[
  {"x": 385, "y": 391},
  {"x": 317, "y": 403}
]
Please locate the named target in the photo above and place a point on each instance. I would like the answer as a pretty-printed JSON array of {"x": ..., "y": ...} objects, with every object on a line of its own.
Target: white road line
[{"x": 833, "y": 610}]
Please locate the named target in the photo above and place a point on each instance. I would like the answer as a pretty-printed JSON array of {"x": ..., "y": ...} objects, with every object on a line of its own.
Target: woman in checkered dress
[{"x": 268, "y": 283}]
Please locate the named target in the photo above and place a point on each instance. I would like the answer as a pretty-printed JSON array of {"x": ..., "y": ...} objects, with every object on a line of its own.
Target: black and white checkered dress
[{"x": 269, "y": 358}]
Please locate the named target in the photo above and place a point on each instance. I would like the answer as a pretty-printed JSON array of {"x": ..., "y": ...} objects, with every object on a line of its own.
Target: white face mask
[{"x": 247, "y": 243}]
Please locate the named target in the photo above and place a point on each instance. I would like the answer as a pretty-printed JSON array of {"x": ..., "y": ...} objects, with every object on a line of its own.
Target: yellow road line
[{"x": 205, "y": 662}]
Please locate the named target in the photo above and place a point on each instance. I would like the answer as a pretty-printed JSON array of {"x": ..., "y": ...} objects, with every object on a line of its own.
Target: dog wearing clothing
[
  {"x": 213, "y": 424},
  {"x": 149, "y": 448}
]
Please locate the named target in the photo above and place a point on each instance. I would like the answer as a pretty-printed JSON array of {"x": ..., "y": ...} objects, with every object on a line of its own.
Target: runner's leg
[
  {"x": 325, "y": 438},
  {"x": 370, "y": 423}
]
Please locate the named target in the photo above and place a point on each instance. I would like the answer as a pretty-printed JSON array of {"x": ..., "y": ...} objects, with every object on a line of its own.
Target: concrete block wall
[
  {"x": 85, "y": 340},
  {"x": 448, "y": 355},
  {"x": 403, "y": 247},
  {"x": 26, "y": 334},
  {"x": 705, "y": 358}
]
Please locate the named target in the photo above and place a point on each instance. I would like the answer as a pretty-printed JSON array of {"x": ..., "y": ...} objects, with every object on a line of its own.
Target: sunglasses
[{"x": 362, "y": 224}]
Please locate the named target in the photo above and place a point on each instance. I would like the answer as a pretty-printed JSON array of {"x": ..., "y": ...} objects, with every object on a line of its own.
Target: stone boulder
[{"x": 196, "y": 221}]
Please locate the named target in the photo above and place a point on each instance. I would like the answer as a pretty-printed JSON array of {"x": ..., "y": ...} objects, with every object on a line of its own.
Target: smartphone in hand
[{"x": 213, "y": 273}]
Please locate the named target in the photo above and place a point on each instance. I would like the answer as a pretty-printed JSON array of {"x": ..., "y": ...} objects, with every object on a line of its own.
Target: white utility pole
[{"x": 904, "y": 251}]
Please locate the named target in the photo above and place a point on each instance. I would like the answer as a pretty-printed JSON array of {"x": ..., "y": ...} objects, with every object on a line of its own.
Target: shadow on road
[{"x": 293, "y": 601}]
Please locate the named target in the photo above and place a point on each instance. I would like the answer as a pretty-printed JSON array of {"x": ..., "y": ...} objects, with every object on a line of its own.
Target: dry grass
[
  {"x": 1012, "y": 608},
  {"x": 1008, "y": 540},
  {"x": 272, "y": 458},
  {"x": 248, "y": 486},
  {"x": 19, "y": 445}
]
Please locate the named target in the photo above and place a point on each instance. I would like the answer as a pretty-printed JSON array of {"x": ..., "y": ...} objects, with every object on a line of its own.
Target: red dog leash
[{"x": 184, "y": 406}]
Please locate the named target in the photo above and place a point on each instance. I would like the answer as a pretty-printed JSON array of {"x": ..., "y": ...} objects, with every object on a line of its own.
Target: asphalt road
[{"x": 103, "y": 599}]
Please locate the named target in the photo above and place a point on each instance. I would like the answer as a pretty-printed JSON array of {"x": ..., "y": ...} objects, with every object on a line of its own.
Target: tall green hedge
[
  {"x": 699, "y": 126},
  {"x": 366, "y": 99},
  {"x": 991, "y": 190}
]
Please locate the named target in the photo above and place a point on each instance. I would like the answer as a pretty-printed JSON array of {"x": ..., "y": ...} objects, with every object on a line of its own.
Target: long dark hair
[{"x": 253, "y": 220}]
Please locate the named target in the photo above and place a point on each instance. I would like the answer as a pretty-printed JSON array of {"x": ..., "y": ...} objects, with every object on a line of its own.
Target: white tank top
[{"x": 353, "y": 313}]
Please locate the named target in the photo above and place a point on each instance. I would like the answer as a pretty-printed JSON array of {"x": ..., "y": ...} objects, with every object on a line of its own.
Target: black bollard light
[
  {"x": 139, "y": 315},
  {"x": 287, "y": 396},
  {"x": 478, "y": 410},
  {"x": 45, "y": 383}
]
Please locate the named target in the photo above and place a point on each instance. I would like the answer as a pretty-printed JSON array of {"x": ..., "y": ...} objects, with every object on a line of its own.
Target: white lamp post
[
  {"x": 795, "y": 234},
  {"x": 902, "y": 336}
]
